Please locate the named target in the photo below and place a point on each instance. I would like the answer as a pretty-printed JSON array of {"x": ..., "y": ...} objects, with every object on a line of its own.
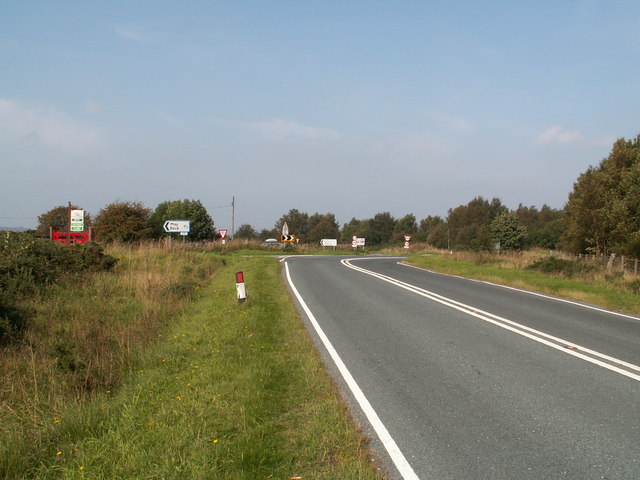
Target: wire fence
[{"x": 611, "y": 263}]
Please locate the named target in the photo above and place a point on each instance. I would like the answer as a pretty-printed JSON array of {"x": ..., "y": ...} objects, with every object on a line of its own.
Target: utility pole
[
  {"x": 233, "y": 217},
  {"x": 69, "y": 225}
]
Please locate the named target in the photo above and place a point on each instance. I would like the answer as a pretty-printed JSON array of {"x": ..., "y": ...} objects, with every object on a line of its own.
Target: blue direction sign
[{"x": 177, "y": 226}]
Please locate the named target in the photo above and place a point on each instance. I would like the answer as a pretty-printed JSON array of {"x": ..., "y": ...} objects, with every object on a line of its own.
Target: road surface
[{"x": 460, "y": 379}]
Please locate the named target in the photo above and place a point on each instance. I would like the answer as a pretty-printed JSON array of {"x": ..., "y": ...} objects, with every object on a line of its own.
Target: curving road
[{"x": 460, "y": 379}]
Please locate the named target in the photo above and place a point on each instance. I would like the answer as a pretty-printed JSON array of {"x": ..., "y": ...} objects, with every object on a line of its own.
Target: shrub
[
  {"x": 560, "y": 266},
  {"x": 29, "y": 264}
]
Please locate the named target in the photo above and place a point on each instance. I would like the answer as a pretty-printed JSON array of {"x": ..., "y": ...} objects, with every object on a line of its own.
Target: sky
[{"x": 345, "y": 107}]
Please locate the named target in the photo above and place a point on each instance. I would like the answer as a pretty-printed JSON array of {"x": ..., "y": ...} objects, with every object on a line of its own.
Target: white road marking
[
  {"x": 389, "y": 443},
  {"x": 559, "y": 344},
  {"x": 529, "y": 292}
]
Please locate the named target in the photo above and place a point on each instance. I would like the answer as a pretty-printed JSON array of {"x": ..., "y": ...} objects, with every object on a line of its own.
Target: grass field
[{"x": 215, "y": 389}]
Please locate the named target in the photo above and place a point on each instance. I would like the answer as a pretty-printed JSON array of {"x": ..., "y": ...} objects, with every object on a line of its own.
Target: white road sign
[
  {"x": 329, "y": 242},
  {"x": 177, "y": 226},
  {"x": 77, "y": 220}
]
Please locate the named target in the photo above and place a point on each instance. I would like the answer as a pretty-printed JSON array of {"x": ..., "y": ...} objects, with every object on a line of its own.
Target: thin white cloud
[
  {"x": 45, "y": 127},
  {"x": 133, "y": 33},
  {"x": 165, "y": 116},
  {"x": 452, "y": 123},
  {"x": 279, "y": 130},
  {"x": 93, "y": 107},
  {"x": 558, "y": 135}
]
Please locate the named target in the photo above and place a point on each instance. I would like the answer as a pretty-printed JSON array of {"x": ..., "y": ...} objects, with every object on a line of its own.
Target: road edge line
[{"x": 397, "y": 457}]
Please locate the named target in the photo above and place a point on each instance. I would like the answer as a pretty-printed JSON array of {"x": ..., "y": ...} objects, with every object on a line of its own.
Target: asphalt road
[{"x": 459, "y": 379}]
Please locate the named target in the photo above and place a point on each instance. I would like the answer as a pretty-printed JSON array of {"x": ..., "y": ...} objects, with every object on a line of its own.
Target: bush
[
  {"x": 559, "y": 266},
  {"x": 28, "y": 265}
]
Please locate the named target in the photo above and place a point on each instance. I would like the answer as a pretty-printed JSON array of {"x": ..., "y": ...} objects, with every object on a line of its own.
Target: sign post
[
  {"x": 223, "y": 235},
  {"x": 329, "y": 242},
  {"x": 240, "y": 289},
  {"x": 407, "y": 239},
  {"x": 177, "y": 226},
  {"x": 358, "y": 242},
  {"x": 77, "y": 221}
]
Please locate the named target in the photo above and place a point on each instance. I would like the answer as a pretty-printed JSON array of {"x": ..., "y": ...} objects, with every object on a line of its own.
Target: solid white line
[
  {"x": 529, "y": 292},
  {"x": 563, "y": 345},
  {"x": 389, "y": 443}
]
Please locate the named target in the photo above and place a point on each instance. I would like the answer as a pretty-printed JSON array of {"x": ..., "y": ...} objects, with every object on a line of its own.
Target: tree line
[{"x": 601, "y": 216}]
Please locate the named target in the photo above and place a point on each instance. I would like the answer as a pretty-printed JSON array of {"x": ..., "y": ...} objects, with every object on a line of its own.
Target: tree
[
  {"x": 58, "y": 219},
  {"x": 439, "y": 235},
  {"x": 246, "y": 231},
  {"x": 322, "y": 226},
  {"x": 426, "y": 226},
  {"x": 508, "y": 232},
  {"x": 201, "y": 226},
  {"x": 469, "y": 225},
  {"x": 406, "y": 225},
  {"x": 380, "y": 229},
  {"x": 602, "y": 214},
  {"x": 544, "y": 226},
  {"x": 298, "y": 222},
  {"x": 354, "y": 228},
  {"x": 123, "y": 222}
]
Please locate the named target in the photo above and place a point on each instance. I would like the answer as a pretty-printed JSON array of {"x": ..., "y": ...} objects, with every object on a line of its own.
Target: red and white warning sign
[{"x": 407, "y": 239}]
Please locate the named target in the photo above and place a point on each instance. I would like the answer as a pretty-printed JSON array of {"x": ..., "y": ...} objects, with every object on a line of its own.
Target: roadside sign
[
  {"x": 407, "y": 239},
  {"x": 177, "y": 226},
  {"x": 357, "y": 242},
  {"x": 223, "y": 234},
  {"x": 287, "y": 238},
  {"x": 329, "y": 242},
  {"x": 77, "y": 221}
]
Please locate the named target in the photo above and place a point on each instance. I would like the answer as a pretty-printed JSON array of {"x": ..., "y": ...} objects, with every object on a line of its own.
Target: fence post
[{"x": 635, "y": 268}]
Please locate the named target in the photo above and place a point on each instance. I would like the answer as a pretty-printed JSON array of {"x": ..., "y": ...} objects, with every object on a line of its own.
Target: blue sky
[{"x": 348, "y": 107}]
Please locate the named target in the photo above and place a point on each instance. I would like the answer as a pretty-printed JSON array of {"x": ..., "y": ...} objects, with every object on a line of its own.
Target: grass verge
[
  {"x": 230, "y": 391},
  {"x": 597, "y": 289}
]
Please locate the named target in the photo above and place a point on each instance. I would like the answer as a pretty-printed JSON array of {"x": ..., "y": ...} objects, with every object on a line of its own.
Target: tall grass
[{"x": 82, "y": 336}]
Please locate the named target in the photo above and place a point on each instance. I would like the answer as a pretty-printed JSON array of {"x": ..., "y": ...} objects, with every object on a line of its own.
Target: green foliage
[
  {"x": 508, "y": 232},
  {"x": 126, "y": 222},
  {"x": 297, "y": 221},
  {"x": 379, "y": 230},
  {"x": 560, "y": 266},
  {"x": 603, "y": 211},
  {"x": 58, "y": 219},
  {"x": 246, "y": 232},
  {"x": 427, "y": 225},
  {"x": 544, "y": 226},
  {"x": 201, "y": 227},
  {"x": 28, "y": 265},
  {"x": 470, "y": 225},
  {"x": 322, "y": 226},
  {"x": 353, "y": 228},
  {"x": 406, "y": 225}
]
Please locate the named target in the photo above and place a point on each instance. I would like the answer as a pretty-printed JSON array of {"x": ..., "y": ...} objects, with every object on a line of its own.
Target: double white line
[{"x": 562, "y": 345}]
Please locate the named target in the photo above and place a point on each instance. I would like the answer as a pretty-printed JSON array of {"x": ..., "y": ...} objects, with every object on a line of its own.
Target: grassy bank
[
  {"x": 207, "y": 388},
  {"x": 519, "y": 270}
]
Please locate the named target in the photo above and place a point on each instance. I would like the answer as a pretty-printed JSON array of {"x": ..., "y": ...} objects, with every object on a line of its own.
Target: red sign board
[{"x": 223, "y": 233}]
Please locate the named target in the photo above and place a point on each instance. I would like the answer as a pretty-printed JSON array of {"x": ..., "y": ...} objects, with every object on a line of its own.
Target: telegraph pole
[{"x": 233, "y": 217}]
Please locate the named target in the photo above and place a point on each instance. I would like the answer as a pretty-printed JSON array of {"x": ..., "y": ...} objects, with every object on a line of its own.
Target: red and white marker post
[{"x": 242, "y": 293}]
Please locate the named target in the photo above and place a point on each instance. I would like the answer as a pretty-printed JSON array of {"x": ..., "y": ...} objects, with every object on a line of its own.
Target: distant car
[{"x": 271, "y": 242}]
